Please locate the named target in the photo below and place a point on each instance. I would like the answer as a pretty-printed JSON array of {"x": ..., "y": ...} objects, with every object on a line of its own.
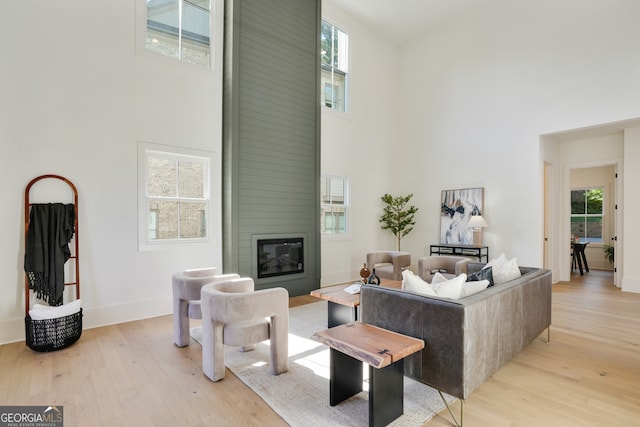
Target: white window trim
[
  {"x": 604, "y": 224},
  {"x": 347, "y": 206},
  {"x": 217, "y": 34},
  {"x": 146, "y": 148},
  {"x": 348, "y": 103}
]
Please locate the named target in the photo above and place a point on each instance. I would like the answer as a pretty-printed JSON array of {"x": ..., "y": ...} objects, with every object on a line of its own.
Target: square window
[
  {"x": 586, "y": 214},
  {"x": 180, "y": 29},
  {"x": 176, "y": 198}
]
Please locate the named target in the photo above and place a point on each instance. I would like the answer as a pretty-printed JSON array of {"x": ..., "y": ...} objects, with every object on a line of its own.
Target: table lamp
[{"x": 477, "y": 222}]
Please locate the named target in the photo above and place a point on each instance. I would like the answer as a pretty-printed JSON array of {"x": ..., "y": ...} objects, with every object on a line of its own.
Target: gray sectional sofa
[{"x": 468, "y": 339}]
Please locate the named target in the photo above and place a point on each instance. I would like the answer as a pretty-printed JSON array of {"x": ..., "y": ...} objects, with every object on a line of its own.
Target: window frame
[
  {"x": 587, "y": 215},
  {"x": 216, "y": 31},
  {"x": 145, "y": 150},
  {"x": 346, "y": 73},
  {"x": 345, "y": 205}
]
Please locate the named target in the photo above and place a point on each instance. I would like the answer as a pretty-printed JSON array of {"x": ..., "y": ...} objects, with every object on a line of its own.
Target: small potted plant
[{"x": 608, "y": 253}]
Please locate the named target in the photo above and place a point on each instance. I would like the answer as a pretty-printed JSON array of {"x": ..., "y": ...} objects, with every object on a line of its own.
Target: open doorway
[
  {"x": 564, "y": 152},
  {"x": 593, "y": 201}
]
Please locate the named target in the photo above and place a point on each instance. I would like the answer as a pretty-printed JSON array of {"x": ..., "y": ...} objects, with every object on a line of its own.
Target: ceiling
[{"x": 403, "y": 19}]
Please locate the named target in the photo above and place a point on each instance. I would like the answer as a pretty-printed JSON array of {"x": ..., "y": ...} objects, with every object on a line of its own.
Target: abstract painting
[{"x": 456, "y": 207}]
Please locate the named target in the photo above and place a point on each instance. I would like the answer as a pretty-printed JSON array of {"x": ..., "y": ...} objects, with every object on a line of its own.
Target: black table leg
[
  {"x": 386, "y": 393},
  {"x": 338, "y": 314},
  {"x": 584, "y": 259},
  {"x": 580, "y": 264},
  {"x": 345, "y": 377}
]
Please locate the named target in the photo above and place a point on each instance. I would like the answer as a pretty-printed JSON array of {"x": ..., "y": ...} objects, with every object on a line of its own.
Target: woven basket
[{"x": 53, "y": 334}]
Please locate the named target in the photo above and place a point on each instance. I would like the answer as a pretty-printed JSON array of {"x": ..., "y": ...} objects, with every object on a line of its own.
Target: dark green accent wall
[{"x": 271, "y": 131}]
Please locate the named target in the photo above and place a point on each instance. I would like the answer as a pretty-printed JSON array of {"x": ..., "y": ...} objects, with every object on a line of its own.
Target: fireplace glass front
[{"x": 282, "y": 256}]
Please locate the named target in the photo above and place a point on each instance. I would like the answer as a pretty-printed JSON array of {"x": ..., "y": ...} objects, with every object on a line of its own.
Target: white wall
[
  {"x": 363, "y": 145},
  {"x": 630, "y": 208},
  {"x": 76, "y": 97},
  {"x": 479, "y": 92}
]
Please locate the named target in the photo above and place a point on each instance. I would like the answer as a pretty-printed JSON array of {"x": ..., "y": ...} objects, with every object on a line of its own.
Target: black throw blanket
[{"x": 47, "y": 249}]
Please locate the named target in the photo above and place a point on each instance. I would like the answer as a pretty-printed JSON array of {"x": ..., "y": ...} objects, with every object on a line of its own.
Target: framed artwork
[{"x": 456, "y": 207}]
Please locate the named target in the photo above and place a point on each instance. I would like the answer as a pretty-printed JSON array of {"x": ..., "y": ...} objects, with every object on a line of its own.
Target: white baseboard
[
  {"x": 630, "y": 285},
  {"x": 93, "y": 317}
]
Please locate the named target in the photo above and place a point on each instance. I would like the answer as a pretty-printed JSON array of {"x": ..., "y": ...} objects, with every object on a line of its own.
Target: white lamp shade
[{"x": 477, "y": 221}]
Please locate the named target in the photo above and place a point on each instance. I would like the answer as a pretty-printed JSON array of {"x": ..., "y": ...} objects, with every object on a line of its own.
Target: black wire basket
[{"x": 53, "y": 334}]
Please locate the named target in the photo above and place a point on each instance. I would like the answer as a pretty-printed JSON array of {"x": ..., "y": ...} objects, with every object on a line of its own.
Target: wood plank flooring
[{"x": 131, "y": 374}]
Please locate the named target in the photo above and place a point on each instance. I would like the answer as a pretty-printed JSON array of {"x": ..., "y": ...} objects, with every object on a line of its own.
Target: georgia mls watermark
[{"x": 31, "y": 416}]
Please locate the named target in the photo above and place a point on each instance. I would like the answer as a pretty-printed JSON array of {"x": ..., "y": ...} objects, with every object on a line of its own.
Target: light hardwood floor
[{"x": 132, "y": 375}]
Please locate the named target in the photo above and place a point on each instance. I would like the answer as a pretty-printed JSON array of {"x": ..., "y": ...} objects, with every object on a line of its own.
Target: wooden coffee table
[
  {"x": 343, "y": 306},
  {"x": 384, "y": 351}
]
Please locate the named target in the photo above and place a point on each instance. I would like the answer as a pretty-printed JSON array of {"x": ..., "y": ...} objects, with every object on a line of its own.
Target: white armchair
[
  {"x": 388, "y": 264},
  {"x": 234, "y": 314},
  {"x": 186, "y": 299}
]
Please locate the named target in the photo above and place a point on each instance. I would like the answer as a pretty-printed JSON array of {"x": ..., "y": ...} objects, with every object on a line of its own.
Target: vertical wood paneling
[{"x": 271, "y": 130}]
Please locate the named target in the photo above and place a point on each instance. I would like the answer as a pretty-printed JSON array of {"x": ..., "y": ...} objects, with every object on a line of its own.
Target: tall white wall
[
  {"x": 630, "y": 208},
  {"x": 478, "y": 92},
  {"x": 363, "y": 145},
  {"x": 75, "y": 98}
]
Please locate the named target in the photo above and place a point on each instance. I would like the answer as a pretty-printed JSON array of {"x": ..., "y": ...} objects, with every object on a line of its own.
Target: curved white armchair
[
  {"x": 186, "y": 298},
  {"x": 234, "y": 314}
]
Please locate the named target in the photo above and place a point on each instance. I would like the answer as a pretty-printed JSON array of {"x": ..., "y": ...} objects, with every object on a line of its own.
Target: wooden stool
[{"x": 384, "y": 351}]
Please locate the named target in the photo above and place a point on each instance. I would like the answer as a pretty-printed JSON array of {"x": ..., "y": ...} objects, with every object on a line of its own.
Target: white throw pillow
[
  {"x": 437, "y": 279},
  {"x": 470, "y": 288},
  {"x": 503, "y": 269},
  {"x": 413, "y": 283},
  {"x": 451, "y": 288}
]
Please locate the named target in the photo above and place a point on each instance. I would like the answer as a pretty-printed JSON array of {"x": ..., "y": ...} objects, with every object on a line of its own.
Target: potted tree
[{"x": 398, "y": 217}]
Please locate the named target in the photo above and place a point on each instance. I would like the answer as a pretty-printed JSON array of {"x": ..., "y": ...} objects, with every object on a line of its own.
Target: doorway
[
  {"x": 593, "y": 212},
  {"x": 563, "y": 152}
]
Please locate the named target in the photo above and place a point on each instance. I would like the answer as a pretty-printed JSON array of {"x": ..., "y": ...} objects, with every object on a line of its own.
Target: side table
[
  {"x": 384, "y": 351},
  {"x": 343, "y": 307}
]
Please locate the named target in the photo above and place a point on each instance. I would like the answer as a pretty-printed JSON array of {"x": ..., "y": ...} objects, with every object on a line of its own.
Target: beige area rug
[{"x": 301, "y": 395}]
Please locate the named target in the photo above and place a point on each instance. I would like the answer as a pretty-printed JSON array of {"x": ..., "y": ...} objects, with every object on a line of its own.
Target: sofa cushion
[
  {"x": 473, "y": 287},
  {"x": 503, "y": 269},
  {"x": 413, "y": 283},
  {"x": 484, "y": 274},
  {"x": 448, "y": 288}
]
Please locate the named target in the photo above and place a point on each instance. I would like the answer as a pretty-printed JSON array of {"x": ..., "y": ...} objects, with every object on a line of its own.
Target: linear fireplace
[{"x": 278, "y": 257}]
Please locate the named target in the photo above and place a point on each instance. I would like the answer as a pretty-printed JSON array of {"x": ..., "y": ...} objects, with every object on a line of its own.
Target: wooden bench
[{"x": 384, "y": 351}]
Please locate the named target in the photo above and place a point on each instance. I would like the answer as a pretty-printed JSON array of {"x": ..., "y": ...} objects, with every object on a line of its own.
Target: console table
[{"x": 480, "y": 252}]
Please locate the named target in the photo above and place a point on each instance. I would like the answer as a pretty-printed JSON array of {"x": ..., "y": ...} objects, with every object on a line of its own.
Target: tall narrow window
[
  {"x": 587, "y": 214},
  {"x": 334, "y": 79},
  {"x": 334, "y": 204},
  {"x": 176, "y": 196},
  {"x": 180, "y": 29}
]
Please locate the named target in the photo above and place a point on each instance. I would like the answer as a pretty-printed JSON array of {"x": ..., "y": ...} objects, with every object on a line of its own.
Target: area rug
[{"x": 301, "y": 395}]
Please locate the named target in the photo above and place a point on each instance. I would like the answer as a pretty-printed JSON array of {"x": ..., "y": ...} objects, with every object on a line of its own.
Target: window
[
  {"x": 176, "y": 196},
  {"x": 334, "y": 81},
  {"x": 334, "y": 204},
  {"x": 587, "y": 214},
  {"x": 180, "y": 29}
]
